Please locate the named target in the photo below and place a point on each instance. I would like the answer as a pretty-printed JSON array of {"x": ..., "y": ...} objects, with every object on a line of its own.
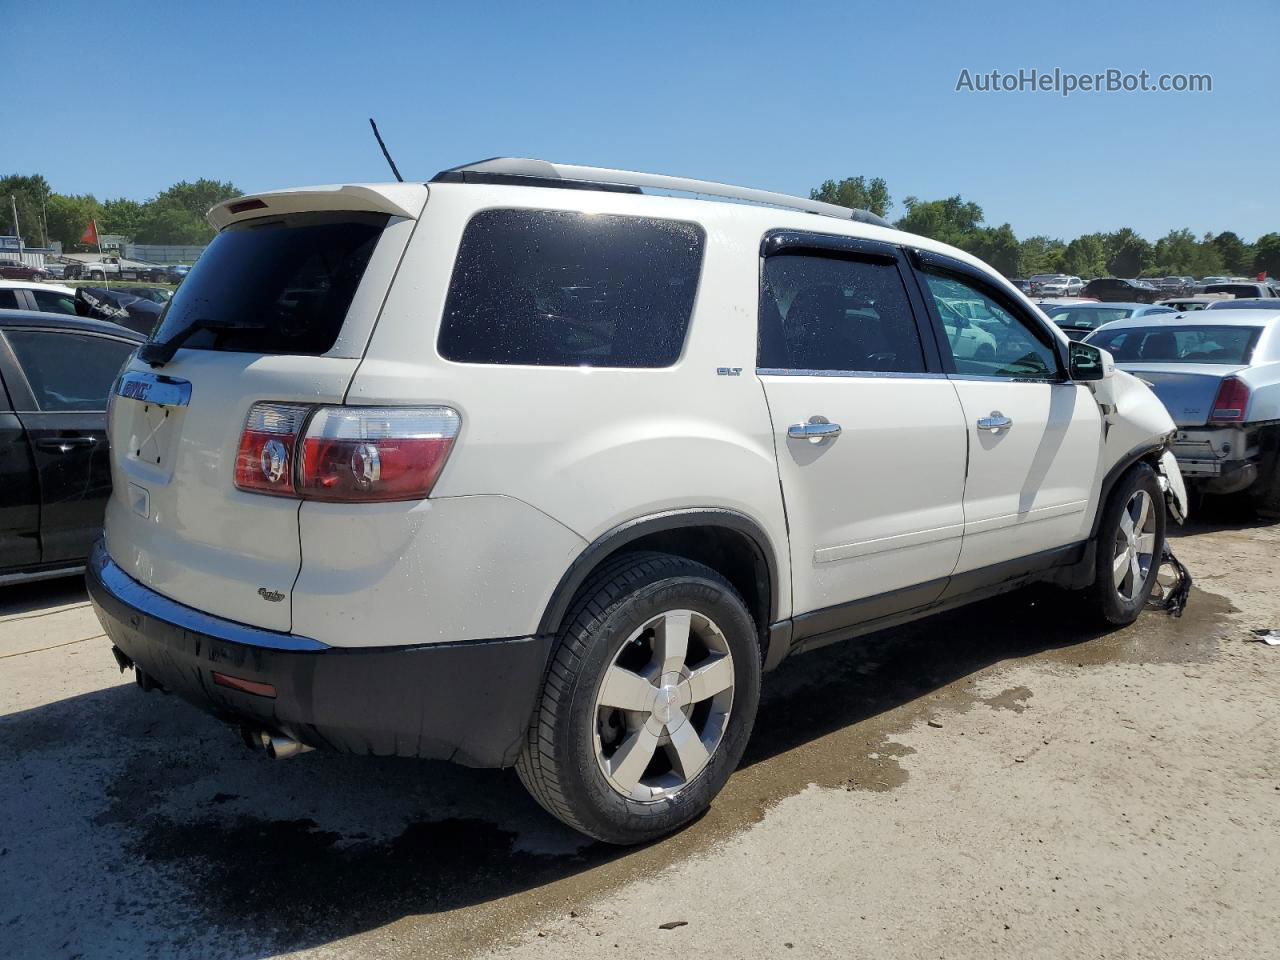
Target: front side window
[
  {"x": 564, "y": 289},
  {"x": 827, "y": 313},
  {"x": 69, "y": 371},
  {"x": 51, "y": 301},
  {"x": 986, "y": 339}
]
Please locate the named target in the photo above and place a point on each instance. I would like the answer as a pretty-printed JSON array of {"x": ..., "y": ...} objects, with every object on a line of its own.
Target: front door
[
  {"x": 870, "y": 438},
  {"x": 1035, "y": 438}
]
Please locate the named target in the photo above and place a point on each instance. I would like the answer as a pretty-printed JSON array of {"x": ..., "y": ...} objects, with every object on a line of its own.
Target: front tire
[
  {"x": 649, "y": 700},
  {"x": 1130, "y": 545}
]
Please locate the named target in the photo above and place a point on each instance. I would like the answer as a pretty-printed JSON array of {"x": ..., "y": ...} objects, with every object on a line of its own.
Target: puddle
[{"x": 483, "y": 862}]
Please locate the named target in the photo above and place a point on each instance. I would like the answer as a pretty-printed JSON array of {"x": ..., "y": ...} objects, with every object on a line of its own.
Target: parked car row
[
  {"x": 1218, "y": 374},
  {"x": 135, "y": 307}
]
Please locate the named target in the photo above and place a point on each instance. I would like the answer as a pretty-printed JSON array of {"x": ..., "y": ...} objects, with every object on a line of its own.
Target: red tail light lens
[
  {"x": 375, "y": 453},
  {"x": 1232, "y": 401},
  {"x": 265, "y": 460}
]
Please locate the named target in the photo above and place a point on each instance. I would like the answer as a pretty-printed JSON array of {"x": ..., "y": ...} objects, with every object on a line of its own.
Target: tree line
[
  {"x": 175, "y": 215},
  {"x": 1120, "y": 253}
]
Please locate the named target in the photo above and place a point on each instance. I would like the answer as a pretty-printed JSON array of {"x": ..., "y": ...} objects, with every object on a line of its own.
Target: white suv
[{"x": 527, "y": 466}]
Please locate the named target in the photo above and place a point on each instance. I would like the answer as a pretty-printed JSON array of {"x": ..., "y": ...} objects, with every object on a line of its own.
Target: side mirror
[{"x": 1089, "y": 363}]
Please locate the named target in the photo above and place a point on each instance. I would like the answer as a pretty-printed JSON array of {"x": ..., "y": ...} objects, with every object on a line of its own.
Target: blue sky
[{"x": 773, "y": 95}]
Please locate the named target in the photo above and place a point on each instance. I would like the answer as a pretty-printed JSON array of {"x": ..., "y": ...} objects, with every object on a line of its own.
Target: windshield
[
  {"x": 1181, "y": 344},
  {"x": 283, "y": 284},
  {"x": 1077, "y": 319}
]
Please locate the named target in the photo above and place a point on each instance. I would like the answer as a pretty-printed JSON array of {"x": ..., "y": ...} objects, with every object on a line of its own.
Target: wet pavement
[{"x": 133, "y": 825}]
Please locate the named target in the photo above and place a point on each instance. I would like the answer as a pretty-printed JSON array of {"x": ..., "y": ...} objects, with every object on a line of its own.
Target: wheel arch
[
  {"x": 1143, "y": 453},
  {"x": 727, "y": 541}
]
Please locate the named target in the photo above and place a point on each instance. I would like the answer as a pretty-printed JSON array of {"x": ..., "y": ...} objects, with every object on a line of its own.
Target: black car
[
  {"x": 1116, "y": 290},
  {"x": 55, "y": 374},
  {"x": 118, "y": 305}
]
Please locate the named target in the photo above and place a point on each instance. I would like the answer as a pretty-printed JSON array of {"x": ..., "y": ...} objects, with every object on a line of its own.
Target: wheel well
[{"x": 733, "y": 553}]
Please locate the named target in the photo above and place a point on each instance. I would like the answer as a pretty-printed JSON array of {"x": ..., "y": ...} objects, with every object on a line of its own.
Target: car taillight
[
  {"x": 344, "y": 454},
  {"x": 1230, "y": 404},
  {"x": 375, "y": 453},
  {"x": 265, "y": 460}
]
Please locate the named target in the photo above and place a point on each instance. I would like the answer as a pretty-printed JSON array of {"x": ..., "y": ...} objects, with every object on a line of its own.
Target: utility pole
[{"x": 13, "y": 204}]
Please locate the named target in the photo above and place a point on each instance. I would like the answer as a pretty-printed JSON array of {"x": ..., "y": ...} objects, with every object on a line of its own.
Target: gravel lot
[{"x": 995, "y": 782}]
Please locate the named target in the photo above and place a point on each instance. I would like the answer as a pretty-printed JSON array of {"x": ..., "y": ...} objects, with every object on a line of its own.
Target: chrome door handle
[
  {"x": 995, "y": 423},
  {"x": 817, "y": 430}
]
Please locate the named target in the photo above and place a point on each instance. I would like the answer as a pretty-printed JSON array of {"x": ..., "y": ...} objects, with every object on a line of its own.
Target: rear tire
[
  {"x": 1129, "y": 547},
  {"x": 1265, "y": 491},
  {"x": 649, "y": 700}
]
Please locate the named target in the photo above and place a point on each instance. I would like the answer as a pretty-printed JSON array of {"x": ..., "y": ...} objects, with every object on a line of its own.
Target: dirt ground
[{"x": 996, "y": 782}]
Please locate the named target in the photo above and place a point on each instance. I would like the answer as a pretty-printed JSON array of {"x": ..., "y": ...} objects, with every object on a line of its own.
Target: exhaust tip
[{"x": 274, "y": 745}]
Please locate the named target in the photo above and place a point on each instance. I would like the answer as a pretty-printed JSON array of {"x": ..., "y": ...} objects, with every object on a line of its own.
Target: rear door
[
  {"x": 1035, "y": 438},
  {"x": 301, "y": 287},
  {"x": 869, "y": 434},
  {"x": 67, "y": 378}
]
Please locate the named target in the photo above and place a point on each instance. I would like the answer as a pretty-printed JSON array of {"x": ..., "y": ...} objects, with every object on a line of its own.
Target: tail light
[
  {"x": 375, "y": 453},
  {"x": 268, "y": 448},
  {"x": 344, "y": 454},
  {"x": 1232, "y": 401}
]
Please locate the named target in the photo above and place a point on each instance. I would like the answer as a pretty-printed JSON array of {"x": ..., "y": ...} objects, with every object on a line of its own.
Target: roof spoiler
[{"x": 396, "y": 199}]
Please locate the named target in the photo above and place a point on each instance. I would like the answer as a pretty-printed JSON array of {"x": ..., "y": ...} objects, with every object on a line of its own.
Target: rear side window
[
  {"x": 555, "y": 288},
  {"x": 9, "y": 300},
  {"x": 283, "y": 284},
  {"x": 51, "y": 301},
  {"x": 69, "y": 371},
  {"x": 836, "y": 314}
]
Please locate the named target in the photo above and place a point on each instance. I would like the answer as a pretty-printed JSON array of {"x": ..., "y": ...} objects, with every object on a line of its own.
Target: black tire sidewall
[
  {"x": 1112, "y": 607},
  {"x": 604, "y": 812}
]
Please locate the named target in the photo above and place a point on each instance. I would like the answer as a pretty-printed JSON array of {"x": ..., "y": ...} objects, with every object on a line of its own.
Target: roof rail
[{"x": 518, "y": 171}]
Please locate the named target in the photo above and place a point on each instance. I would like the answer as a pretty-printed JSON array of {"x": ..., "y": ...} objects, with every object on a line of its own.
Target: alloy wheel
[
  {"x": 663, "y": 705},
  {"x": 1134, "y": 546}
]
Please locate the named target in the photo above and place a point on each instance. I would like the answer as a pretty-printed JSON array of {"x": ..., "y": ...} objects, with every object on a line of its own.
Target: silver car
[
  {"x": 1218, "y": 374},
  {"x": 1078, "y": 320}
]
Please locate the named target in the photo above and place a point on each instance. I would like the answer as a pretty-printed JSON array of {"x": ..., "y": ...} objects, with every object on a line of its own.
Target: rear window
[
  {"x": 555, "y": 288},
  {"x": 285, "y": 282},
  {"x": 1069, "y": 319},
  {"x": 1235, "y": 289},
  {"x": 1170, "y": 344}
]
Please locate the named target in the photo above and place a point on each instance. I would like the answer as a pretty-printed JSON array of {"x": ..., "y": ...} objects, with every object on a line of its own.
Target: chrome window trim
[
  {"x": 148, "y": 602},
  {"x": 858, "y": 374},
  {"x": 1052, "y": 381}
]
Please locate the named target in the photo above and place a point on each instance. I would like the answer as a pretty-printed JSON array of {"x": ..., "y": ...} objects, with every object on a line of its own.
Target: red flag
[
  {"x": 1262, "y": 277},
  {"x": 90, "y": 233}
]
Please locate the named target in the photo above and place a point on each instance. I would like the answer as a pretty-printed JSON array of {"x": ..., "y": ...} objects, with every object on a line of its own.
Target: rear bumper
[{"x": 469, "y": 702}]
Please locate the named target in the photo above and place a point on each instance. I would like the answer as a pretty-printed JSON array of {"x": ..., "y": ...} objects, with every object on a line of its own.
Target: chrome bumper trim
[{"x": 106, "y": 575}]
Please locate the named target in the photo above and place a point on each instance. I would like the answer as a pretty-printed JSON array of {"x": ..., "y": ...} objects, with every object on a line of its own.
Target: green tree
[
  {"x": 29, "y": 193},
  {"x": 69, "y": 216},
  {"x": 122, "y": 216},
  {"x": 998, "y": 246},
  {"x": 170, "y": 223},
  {"x": 952, "y": 220},
  {"x": 1237, "y": 256},
  {"x": 1085, "y": 256},
  {"x": 1266, "y": 254},
  {"x": 1128, "y": 254},
  {"x": 1041, "y": 254},
  {"x": 198, "y": 197},
  {"x": 855, "y": 192}
]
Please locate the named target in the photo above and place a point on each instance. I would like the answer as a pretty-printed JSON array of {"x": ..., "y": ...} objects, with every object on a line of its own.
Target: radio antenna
[{"x": 390, "y": 162}]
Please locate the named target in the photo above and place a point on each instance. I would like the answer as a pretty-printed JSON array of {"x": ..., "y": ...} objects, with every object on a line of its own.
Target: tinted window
[
  {"x": 9, "y": 300},
  {"x": 985, "y": 338},
  {"x": 826, "y": 313},
  {"x": 286, "y": 282},
  {"x": 69, "y": 371},
  {"x": 1170, "y": 344},
  {"x": 1236, "y": 289},
  {"x": 50, "y": 301},
  {"x": 561, "y": 289},
  {"x": 1085, "y": 319}
]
